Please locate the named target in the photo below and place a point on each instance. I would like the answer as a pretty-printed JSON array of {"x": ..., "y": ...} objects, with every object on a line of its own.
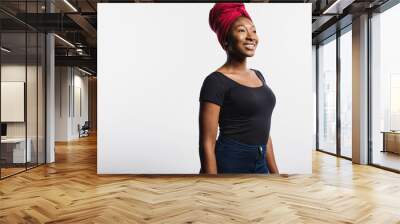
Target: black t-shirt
[{"x": 245, "y": 113}]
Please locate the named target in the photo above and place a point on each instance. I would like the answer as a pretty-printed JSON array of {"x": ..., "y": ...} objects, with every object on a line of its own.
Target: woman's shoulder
[
  {"x": 214, "y": 74},
  {"x": 216, "y": 80},
  {"x": 215, "y": 77},
  {"x": 258, "y": 73}
]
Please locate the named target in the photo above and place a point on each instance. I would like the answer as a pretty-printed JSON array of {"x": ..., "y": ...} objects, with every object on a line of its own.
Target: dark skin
[{"x": 241, "y": 43}]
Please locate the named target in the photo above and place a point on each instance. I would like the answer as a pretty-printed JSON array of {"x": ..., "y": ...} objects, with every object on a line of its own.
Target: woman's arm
[
  {"x": 208, "y": 125},
  {"x": 270, "y": 157}
]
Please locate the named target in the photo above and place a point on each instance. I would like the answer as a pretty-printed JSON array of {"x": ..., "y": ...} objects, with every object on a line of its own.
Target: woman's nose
[{"x": 251, "y": 36}]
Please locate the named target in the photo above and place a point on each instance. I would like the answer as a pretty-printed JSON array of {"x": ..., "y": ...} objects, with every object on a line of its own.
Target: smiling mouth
[{"x": 250, "y": 46}]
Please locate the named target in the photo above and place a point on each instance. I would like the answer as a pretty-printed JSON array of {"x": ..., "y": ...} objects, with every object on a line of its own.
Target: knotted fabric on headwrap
[{"x": 221, "y": 17}]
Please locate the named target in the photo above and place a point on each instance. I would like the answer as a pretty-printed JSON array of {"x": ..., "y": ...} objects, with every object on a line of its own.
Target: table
[
  {"x": 15, "y": 148},
  {"x": 391, "y": 141}
]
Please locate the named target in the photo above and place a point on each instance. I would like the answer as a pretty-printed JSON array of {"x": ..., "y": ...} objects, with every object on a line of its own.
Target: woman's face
[{"x": 242, "y": 38}]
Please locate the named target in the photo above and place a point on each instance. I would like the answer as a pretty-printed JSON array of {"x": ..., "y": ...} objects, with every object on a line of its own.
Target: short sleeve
[{"x": 212, "y": 90}]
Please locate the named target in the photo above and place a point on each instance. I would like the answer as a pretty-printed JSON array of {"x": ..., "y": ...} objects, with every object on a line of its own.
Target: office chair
[{"x": 84, "y": 130}]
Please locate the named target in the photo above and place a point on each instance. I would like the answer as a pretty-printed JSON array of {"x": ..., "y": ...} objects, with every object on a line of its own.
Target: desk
[
  {"x": 15, "y": 148},
  {"x": 391, "y": 141}
]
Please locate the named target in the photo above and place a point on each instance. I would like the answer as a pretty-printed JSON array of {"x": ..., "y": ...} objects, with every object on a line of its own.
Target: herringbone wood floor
[{"x": 70, "y": 191}]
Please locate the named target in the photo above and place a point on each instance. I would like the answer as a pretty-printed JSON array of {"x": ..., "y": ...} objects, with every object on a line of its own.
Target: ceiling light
[
  {"x": 338, "y": 6},
  {"x": 70, "y": 5},
  {"x": 65, "y": 41},
  {"x": 5, "y": 50},
  {"x": 84, "y": 71}
]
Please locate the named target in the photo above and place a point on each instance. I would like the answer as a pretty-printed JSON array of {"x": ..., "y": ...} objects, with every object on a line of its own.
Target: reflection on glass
[
  {"x": 327, "y": 96},
  {"x": 14, "y": 153},
  {"x": 32, "y": 85},
  {"x": 41, "y": 98},
  {"x": 395, "y": 102},
  {"x": 346, "y": 93},
  {"x": 22, "y": 90},
  {"x": 386, "y": 89},
  {"x": 31, "y": 101}
]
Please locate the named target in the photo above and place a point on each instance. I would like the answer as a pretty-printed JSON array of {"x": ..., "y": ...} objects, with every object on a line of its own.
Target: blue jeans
[{"x": 236, "y": 157}]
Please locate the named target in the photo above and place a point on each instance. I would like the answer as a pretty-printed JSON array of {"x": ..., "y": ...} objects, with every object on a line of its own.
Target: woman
[{"x": 236, "y": 98}]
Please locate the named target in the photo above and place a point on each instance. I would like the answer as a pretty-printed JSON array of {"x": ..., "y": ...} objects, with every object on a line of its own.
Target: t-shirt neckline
[{"x": 237, "y": 83}]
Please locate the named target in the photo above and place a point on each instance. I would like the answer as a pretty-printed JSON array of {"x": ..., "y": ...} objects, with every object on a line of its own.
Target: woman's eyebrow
[{"x": 245, "y": 25}]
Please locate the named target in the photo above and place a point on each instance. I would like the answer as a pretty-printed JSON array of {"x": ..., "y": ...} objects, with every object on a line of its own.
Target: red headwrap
[{"x": 221, "y": 17}]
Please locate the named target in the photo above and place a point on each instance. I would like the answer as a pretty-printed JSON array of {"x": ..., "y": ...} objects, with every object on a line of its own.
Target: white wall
[
  {"x": 68, "y": 81},
  {"x": 61, "y": 103},
  {"x": 80, "y": 84},
  {"x": 150, "y": 73},
  {"x": 314, "y": 87}
]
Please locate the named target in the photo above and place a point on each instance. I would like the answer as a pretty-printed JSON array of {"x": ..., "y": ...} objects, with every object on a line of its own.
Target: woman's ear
[{"x": 226, "y": 43}]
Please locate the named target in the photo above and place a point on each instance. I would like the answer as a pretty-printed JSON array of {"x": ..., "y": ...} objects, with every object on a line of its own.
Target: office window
[
  {"x": 346, "y": 94},
  {"x": 385, "y": 89},
  {"x": 327, "y": 96}
]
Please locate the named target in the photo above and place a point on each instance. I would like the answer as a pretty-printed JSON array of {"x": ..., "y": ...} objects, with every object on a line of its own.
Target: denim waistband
[{"x": 232, "y": 141}]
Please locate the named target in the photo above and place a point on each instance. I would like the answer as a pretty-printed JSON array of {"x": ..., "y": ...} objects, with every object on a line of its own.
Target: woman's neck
[{"x": 235, "y": 64}]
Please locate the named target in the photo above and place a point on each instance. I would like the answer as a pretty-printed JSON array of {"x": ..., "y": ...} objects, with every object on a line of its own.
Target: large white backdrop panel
[{"x": 152, "y": 60}]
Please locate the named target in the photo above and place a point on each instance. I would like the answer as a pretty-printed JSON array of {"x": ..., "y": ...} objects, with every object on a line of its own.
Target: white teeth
[{"x": 250, "y": 46}]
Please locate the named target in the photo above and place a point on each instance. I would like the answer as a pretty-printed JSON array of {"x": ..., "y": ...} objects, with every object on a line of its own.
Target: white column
[
  {"x": 50, "y": 92},
  {"x": 360, "y": 90}
]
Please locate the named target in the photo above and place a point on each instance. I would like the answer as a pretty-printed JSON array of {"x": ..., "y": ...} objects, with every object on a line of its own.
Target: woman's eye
[{"x": 254, "y": 31}]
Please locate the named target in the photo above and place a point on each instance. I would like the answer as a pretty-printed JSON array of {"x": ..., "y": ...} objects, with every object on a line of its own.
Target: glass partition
[
  {"x": 22, "y": 101},
  {"x": 327, "y": 96},
  {"x": 31, "y": 100},
  {"x": 14, "y": 153},
  {"x": 346, "y": 94},
  {"x": 385, "y": 89},
  {"x": 41, "y": 111},
  {"x": 33, "y": 56}
]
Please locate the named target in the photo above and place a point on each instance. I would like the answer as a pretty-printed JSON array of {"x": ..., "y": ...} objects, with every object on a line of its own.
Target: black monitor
[{"x": 3, "y": 129}]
